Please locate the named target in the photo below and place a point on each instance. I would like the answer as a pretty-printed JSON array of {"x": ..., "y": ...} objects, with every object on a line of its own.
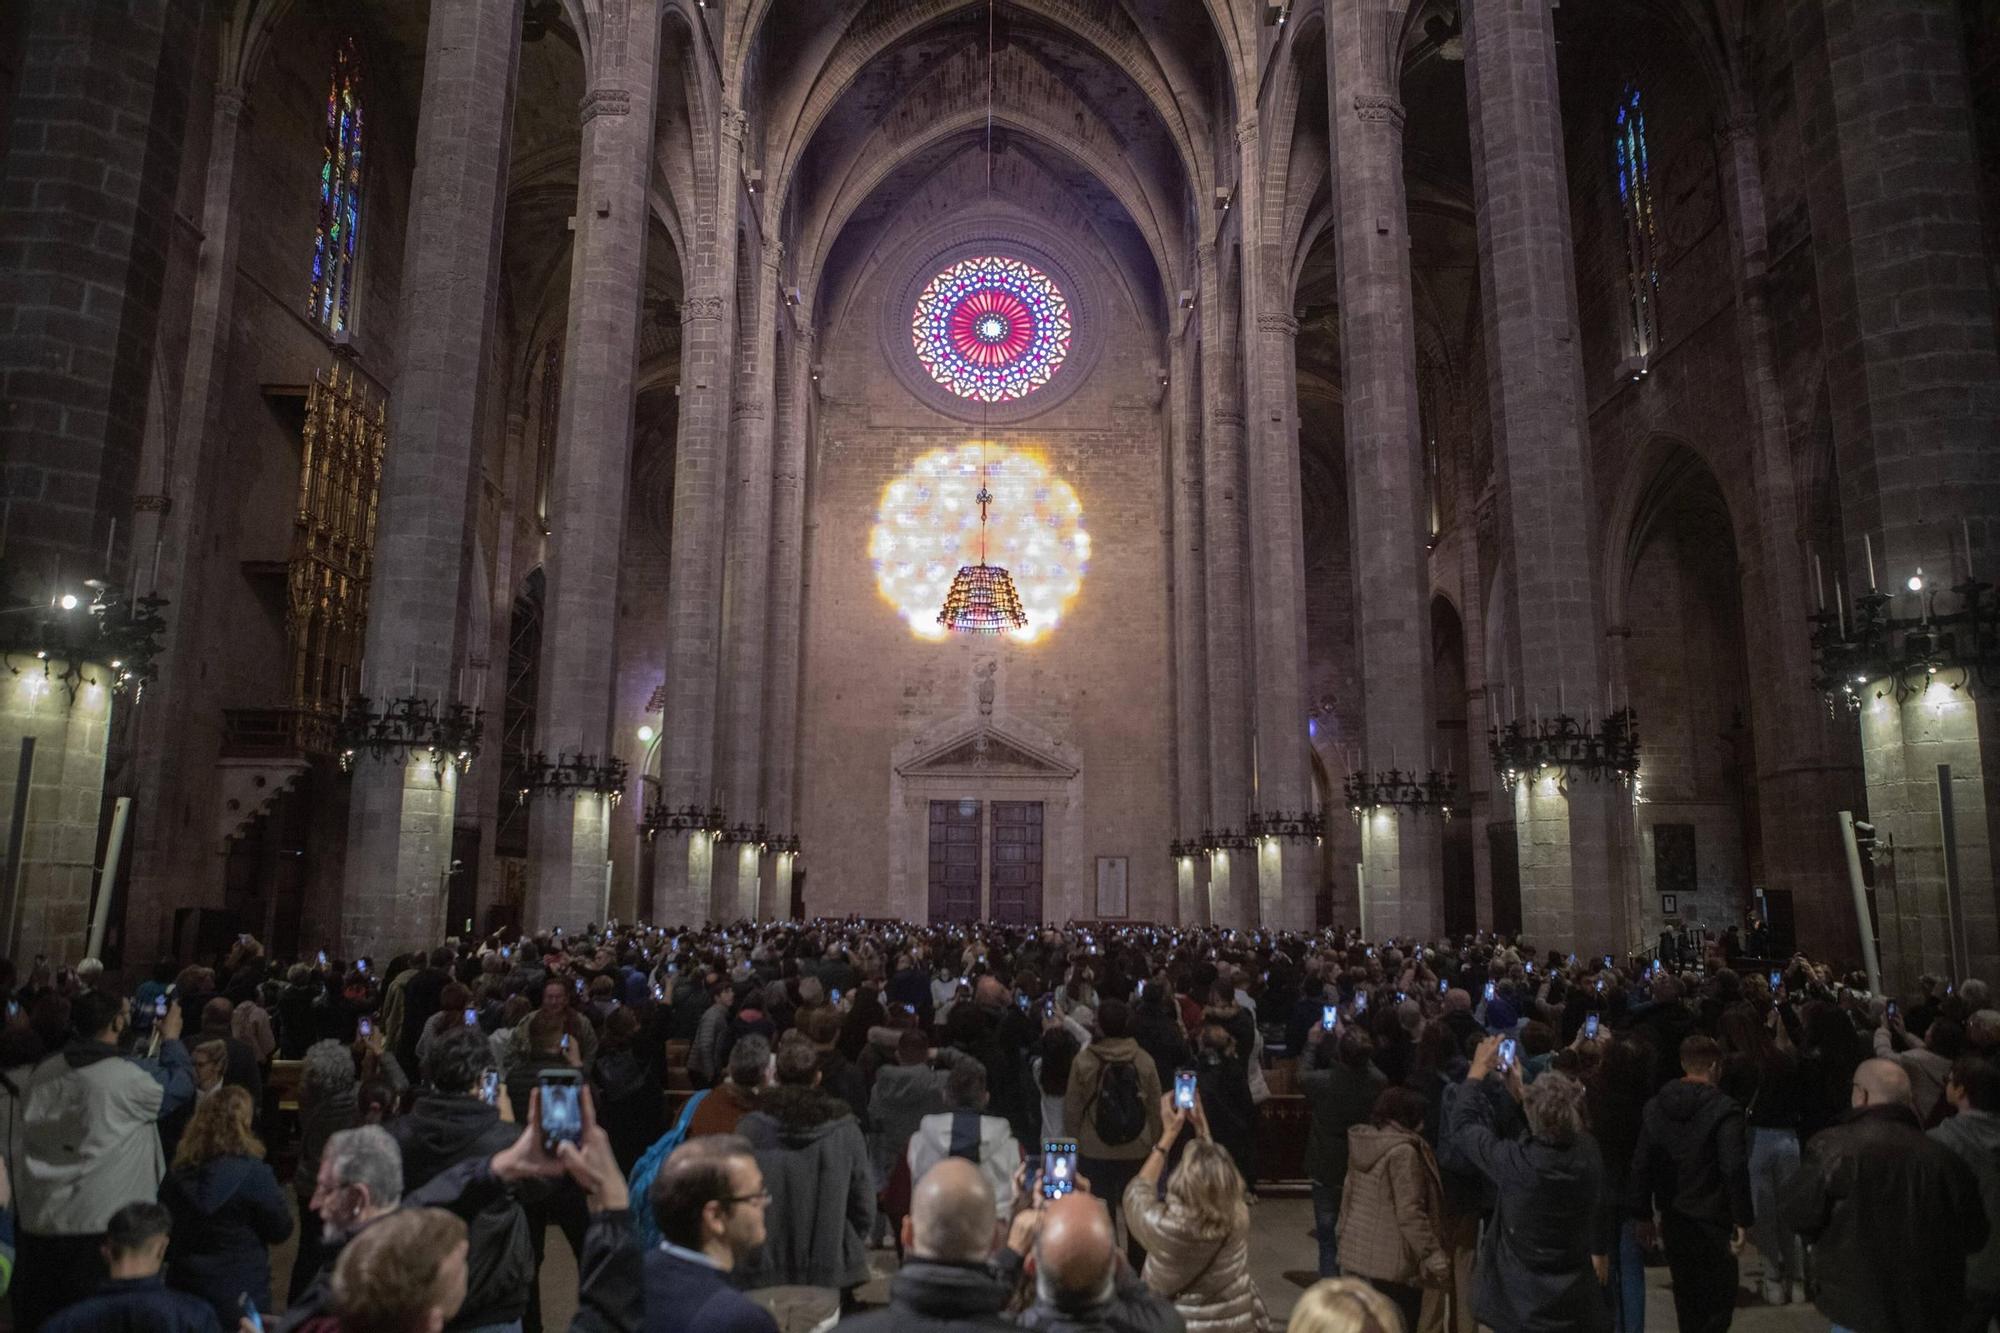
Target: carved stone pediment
[{"x": 986, "y": 752}]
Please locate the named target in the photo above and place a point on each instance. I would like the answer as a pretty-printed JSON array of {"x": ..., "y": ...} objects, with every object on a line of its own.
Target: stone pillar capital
[
  {"x": 603, "y": 102},
  {"x": 1380, "y": 108},
  {"x": 1278, "y": 323},
  {"x": 1225, "y": 418},
  {"x": 1740, "y": 126},
  {"x": 1246, "y": 128},
  {"x": 734, "y": 125},
  {"x": 702, "y": 307},
  {"x": 231, "y": 100}
]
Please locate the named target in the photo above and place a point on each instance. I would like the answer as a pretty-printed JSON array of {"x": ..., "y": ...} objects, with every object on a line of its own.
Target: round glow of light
[
  {"x": 928, "y": 525},
  {"x": 1916, "y": 583},
  {"x": 646, "y": 734},
  {"x": 68, "y": 602}
]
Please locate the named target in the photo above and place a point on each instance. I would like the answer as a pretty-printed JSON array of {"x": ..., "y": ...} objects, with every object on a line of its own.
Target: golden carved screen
[{"x": 333, "y": 541}]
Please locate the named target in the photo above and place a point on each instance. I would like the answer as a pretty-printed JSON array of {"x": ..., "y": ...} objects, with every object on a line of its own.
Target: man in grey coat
[{"x": 1973, "y": 1132}]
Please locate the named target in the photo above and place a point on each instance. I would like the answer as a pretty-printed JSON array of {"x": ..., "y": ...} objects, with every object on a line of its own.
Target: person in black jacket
[
  {"x": 414, "y": 1268},
  {"x": 227, "y": 1207},
  {"x": 1156, "y": 1026},
  {"x": 135, "y": 1298},
  {"x": 945, "y": 1284},
  {"x": 450, "y": 1125},
  {"x": 1692, "y": 1162},
  {"x": 1891, "y": 1214},
  {"x": 1340, "y": 1082}
]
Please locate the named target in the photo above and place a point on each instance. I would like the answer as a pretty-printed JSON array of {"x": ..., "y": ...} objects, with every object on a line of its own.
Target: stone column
[
  {"x": 399, "y": 829},
  {"x": 1572, "y": 893},
  {"x": 569, "y": 837},
  {"x": 1906, "y": 306},
  {"x": 682, "y": 861},
  {"x": 1804, "y": 771},
  {"x": 794, "y": 433},
  {"x": 177, "y": 487},
  {"x": 1288, "y": 868},
  {"x": 748, "y": 583},
  {"x": 1232, "y": 900},
  {"x": 87, "y": 189},
  {"x": 1191, "y": 785},
  {"x": 1402, "y": 851}
]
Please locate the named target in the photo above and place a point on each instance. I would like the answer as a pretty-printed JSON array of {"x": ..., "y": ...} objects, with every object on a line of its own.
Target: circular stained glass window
[{"x": 991, "y": 329}]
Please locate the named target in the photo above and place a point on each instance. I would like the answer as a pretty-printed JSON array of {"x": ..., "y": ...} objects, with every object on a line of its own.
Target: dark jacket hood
[
  {"x": 443, "y": 1129},
  {"x": 946, "y": 1290},
  {"x": 208, "y": 1188},
  {"x": 1695, "y": 1105},
  {"x": 802, "y": 1114}
]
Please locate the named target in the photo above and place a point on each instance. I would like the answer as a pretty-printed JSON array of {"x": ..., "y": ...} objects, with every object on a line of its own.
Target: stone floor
[{"x": 1281, "y": 1260}]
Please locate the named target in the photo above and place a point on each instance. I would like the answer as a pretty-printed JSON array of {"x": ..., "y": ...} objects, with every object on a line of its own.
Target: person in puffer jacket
[
  {"x": 1392, "y": 1205},
  {"x": 1196, "y": 1237},
  {"x": 962, "y": 1131}
]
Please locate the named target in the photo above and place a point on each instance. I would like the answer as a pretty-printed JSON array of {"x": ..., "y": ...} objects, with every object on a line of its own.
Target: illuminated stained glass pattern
[
  {"x": 1635, "y": 202},
  {"x": 927, "y": 529},
  {"x": 992, "y": 329},
  {"x": 336, "y": 240}
]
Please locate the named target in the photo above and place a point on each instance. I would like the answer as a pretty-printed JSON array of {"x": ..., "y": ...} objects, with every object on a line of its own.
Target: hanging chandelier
[{"x": 983, "y": 599}]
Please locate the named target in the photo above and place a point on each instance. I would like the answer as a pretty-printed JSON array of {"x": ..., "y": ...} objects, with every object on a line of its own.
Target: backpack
[
  {"x": 648, "y": 1166},
  {"x": 1116, "y": 1112}
]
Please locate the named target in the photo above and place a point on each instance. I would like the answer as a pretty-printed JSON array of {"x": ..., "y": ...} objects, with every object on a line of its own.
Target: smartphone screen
[
  {"x": 361, "y": 965},
  {"x": 322, "y": 958},
  {"x": 367, "y": 1029},
  {"x": 160, "y": 1007},
  {"x": 562, "y": 1108},
  {"x": 1329, "y": 1016},
  {"x": 471, "y": 1017},
  {"x": 1049, "y": 1009},
  {"x": 1506, "y": 1054},
  {"x": 489, "y": 1087},
  {"x": 1489, "y": 990},
  {"x": 250, "y": 1315},
  {"x": 834, "y": 995},
  {"x": 1023, "y": 1001},
  {"x": 1058, "y": 1167},
  {"x": 1891, "y": 1011},
  {"x": 1607, "y": 960},
  {"x": 1590, "y": 1023},
  {"x": 1443, "y": 985},
  {"x": 1361, "y": 1002},
  {"x": 1777, "y": 980}
]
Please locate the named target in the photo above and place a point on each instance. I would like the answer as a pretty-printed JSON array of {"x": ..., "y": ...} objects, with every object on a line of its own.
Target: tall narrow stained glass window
[
  {"x": 336, "y": 240},
  {"x": 1635, "y": 204}
]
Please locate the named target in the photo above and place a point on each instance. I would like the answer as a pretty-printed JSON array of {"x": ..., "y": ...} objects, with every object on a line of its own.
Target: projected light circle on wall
[
  {"x": 928, "y": 525},
  {"x": 991, "y": 329}
]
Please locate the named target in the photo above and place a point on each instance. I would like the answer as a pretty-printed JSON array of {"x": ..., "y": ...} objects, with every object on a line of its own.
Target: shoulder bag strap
[{"x": 1201, "y": 1273}]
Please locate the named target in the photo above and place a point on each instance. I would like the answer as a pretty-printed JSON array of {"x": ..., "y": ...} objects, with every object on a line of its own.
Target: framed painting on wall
[{"x": 1111, "y": 886}]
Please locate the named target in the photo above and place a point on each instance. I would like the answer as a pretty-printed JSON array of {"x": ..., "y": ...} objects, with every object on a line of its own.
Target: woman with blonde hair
[
  {"x": 1197, "y": 1239},
  {"x": 1343, "y": 1305},
  {"x": 227, "y": 1208}
]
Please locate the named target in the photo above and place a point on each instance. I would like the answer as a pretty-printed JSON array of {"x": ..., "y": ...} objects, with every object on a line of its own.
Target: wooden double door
[{"x": 986, "y": 861}]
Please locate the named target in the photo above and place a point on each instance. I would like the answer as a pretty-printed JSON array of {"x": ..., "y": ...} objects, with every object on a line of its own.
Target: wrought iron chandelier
[{"x": 983, "y": 599}]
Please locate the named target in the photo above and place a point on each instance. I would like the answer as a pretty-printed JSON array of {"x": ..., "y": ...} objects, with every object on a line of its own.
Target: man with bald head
[
  {"x": 947, "y": 1281},
  {"x": 1891, "y": 1215},
  {"x": 1081, "y": 1284}
]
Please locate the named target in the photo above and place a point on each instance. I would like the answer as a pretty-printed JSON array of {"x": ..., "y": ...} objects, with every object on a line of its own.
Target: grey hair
[
  {"x": 748, "y": 1059},
  {"x": 329, "y": 1067},
  {"x": 1984, "y": 1027},
  {"x": 90, "y": 971},
  {"x": 368, "y": 1156},
  {"x": 1554, "y": 1104},
  {"x": 811, "y": 990},
  {"x": 1051, "y": 1296},
  {"x": 1976, "y": 994}
]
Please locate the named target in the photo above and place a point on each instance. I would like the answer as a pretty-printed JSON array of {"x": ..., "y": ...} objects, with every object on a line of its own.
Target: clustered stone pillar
[
  {"x": 1183, "y": 416},
  {"x": 748, "y": 583},
  {"x": 788, "y": 514},
  {"x": 1231, "y": 886},
  {"x": 682, "y": 859},
  {"x": 1913, "y": 377},
  {"x": 570, "y": 835},
  {"x": 399, "y": 832},
  {"x": 1401, "y": 850},
  {"x": 1573, "y": 890}
]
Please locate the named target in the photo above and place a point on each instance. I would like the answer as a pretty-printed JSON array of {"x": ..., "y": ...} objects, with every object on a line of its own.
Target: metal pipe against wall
[
  {"x": 1868, "y": 955},
  {"x": 17, "y": 834},
  {"x": 107, "y": 879}
]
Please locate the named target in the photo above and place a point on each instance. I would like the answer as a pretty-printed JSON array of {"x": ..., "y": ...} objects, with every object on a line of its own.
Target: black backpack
[{"x": 1116, "y": 1112}]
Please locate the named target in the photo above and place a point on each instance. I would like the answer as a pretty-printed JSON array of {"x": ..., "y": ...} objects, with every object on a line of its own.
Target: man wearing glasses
[{"x": 709, "y": 1200}]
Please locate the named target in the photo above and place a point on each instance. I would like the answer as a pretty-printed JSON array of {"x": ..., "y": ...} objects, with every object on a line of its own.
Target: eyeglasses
[{"x": 760, "y": 1198}]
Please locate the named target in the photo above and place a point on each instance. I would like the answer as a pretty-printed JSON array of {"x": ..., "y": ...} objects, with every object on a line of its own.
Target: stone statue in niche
[{"x": 983, "y": 687}]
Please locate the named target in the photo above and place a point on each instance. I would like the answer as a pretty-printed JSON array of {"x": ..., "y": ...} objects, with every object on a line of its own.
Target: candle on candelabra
[
  {"x": 1560, "y": 704},
  {"x": 1840, "y": 604},
  {"x": 1965, "y": 540},
  {"x": 1868, "y": 545},
  {"x": 1819, "y": 586},
  {"x": 109, "y": 542},
  {"x": 413, "y": 680},
  {"x": 153, "y": 583}
]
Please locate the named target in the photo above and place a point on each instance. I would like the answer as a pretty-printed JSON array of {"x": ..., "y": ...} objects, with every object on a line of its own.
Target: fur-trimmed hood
[{"x": 791, "y": 1115}]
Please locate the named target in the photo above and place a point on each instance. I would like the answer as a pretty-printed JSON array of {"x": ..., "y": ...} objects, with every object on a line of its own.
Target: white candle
[
  {"x": 153, "y": 584},
  {"x": 1819, "y": 585},
  {"x": 1868, "y": 545},
  {"x": 1840, "y": 604},
  {"x": 1965, "y": 540},
  {"x": 109, "y": 542}
]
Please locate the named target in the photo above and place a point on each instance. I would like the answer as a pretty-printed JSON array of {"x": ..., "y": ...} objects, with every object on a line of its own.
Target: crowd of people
[{"x": 1053, "y": 1128}]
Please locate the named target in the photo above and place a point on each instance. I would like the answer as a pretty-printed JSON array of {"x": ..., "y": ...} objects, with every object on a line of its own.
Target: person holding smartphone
[
  {"x": 1341, "y": 1085},
  {"x": 1392, "y": 1206},
  {"x": 1197, "y": 1236}
]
